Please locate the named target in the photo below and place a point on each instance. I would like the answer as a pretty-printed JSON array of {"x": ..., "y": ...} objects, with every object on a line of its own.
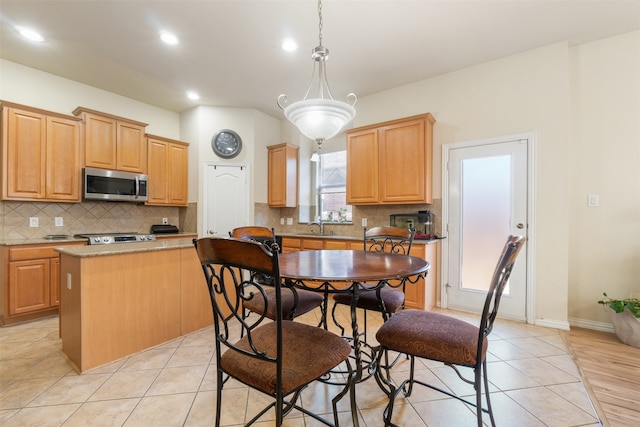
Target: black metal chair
[
  {"x": 295, "y": 302},
  {"x": 439, "y": 337},
  {"x": 278, "y": 358},
  {"x": 385, "y": 299}
]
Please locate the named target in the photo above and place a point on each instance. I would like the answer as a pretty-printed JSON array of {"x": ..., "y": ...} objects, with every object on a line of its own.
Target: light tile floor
[{"x": 533, "y": 378}]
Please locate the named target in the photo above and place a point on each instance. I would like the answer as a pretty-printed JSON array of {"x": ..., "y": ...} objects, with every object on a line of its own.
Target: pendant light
[{"x": 322, "y": 117}]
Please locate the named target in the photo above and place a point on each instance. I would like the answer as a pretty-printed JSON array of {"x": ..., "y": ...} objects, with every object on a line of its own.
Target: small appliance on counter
[
  {"x": 164, "y": 229},
  {"x": 423, "y": 222}
]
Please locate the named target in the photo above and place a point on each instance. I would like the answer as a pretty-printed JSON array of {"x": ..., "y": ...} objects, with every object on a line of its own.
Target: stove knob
[
  {"x": 143, "y": 237},
  {"x": 96, "y": 239},
  {"x": 105, "y": 239}
]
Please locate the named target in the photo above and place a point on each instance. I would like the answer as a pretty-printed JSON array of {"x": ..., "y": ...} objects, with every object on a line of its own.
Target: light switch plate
[
  {"x": 289, "y": 221},
  {"x": 33, "y": 221},
  {"x": 364, "y": 222},
  {"x": 59, "y": 221},
  {"x": 593, "y": 200}
]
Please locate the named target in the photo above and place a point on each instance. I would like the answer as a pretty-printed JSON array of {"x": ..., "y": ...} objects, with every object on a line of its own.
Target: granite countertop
[
  {"x": 118, "y": 249},
  {"x": 41, "y": 241},
  {"x": 70, "y": 239},
  {"x": 345, "y": 237}
]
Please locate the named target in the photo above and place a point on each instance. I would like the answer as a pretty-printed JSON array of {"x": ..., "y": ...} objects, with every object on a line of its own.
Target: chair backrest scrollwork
[{"x": 389, "y": 239}]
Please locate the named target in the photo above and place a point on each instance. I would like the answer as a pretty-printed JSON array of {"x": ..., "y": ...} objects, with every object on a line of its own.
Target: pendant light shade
[
  {"x": 323, "y": 117},
  {"x": 320, "y": 119}
]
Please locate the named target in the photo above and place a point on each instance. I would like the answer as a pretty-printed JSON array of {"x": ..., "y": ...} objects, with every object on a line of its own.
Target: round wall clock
[{"x": 226, "y": 144}]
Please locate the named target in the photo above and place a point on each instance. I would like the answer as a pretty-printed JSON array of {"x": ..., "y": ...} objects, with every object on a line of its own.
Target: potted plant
[{"x": 625, "y": 315}]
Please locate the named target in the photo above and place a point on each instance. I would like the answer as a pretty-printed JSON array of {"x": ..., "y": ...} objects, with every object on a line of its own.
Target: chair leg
[
  {"x": 486, "y": 393},
  {"x": 219, "y": 397},
  {"x": 335, "y": 321}
]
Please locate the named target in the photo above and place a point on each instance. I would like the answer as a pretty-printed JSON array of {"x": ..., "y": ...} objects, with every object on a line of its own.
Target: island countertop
[{"x": 118, "y": 249}]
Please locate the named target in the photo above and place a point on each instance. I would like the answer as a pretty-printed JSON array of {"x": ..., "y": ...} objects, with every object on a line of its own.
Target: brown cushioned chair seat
[
  {"x": 393, "y": 299},
  {"x": 301, "y": 343},
  {"x": 307, "y": 301},
  {"x": 431, "y": 336}
]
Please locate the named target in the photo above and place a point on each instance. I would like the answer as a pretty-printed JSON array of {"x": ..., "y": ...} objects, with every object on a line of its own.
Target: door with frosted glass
[{"x": 487, "y": 202}]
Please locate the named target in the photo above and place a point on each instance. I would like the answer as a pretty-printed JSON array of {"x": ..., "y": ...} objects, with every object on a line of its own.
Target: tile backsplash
[{"x": 87, "y": 217}]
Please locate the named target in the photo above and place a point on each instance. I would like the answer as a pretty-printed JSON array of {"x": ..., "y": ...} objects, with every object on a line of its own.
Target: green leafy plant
[{"x": 618, "y": 305}]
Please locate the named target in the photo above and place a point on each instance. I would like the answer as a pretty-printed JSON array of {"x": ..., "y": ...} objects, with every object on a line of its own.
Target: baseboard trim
[
  {"x": 550, "y": 323},
  {"x": 590, "y": 324}
]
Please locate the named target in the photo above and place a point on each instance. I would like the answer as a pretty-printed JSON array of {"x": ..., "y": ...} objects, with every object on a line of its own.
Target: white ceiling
[{"x": 230, "y": 51}]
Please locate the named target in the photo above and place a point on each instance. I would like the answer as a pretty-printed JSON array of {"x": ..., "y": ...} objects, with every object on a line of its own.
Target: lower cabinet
[
  {"x": 420, "y": 295},
  {"x": 31, "y": 282}
]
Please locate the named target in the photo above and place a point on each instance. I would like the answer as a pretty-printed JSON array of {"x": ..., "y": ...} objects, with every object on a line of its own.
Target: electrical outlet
[
  {"x": 33, "y": 221},
  {"x": 59, "y": 221},
  {"x": 165, "y": 220},
  {"x": 364, "y": 222},
  {"x": 281, "y": 221}
]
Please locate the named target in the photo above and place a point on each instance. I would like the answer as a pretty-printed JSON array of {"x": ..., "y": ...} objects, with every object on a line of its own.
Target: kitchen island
[{"x": 117, "y": 300}]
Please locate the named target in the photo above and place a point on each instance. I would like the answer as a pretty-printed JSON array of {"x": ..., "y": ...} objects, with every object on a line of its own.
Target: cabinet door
[
  {"x": 158, "y": 171},
  {"x": 29, "y": 288},
  {"x": 54, "y": 284},
  {"x": 25, "y": 148},
  {"x": 168, "y": 172},
  {"x": 283, "y": 176},
  {"x": 131, "y": 151},
  {"x": 100, "y": 141},
  {"x": 402, "y": 162},
  {"x": 178, "y": 160},
  {"x": 63, "y": 169},
  {"x": 362, "y": 167},
  {"x": 414, "y": 292}
]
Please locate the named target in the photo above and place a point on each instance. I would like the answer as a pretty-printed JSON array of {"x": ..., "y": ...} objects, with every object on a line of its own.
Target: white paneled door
[
  {"x": 487, "y": 201},
  {"x": 225, "y": 199}
]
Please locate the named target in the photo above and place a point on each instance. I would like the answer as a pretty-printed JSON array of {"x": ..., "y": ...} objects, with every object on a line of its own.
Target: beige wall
[
  {"x": 528, "y": 92},
  {"x": 582, "y": 104},
  {"x": 604, "y": 241},
  {"x": 28, "y": 86}
]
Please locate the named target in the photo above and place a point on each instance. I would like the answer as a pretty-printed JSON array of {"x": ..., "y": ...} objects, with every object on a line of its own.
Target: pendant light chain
[{"x": 320, "y": 22}]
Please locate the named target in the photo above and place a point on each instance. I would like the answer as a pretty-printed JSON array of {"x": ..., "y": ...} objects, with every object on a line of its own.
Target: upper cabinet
[
  {"x": 283, "y": 175},
  {"x": 113, "y": 142},
  {"x": 391, "y": 162},
  {"x": 41, "y": 155},
  {"x": 168, "y": 171}
]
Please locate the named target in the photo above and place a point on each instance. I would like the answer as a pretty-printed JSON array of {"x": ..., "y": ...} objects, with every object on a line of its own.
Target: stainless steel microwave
[{"x": 102, "y": 184}]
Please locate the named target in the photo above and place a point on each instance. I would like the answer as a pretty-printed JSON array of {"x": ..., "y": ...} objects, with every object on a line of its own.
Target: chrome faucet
[{"x": 320, "y": 225}]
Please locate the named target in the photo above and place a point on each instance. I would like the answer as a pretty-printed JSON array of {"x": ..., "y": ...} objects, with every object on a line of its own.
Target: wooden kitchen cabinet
[
  {"x": 422, "y": 295},
  {"x": 168, "y": 171},
  {"x": 41, "y": 155},
  {"x": 30, "y": 282},
  {"x": 113, "y": 142},
  {"x": 391, "y": 162},
  {"x": 283, "y": 175}
]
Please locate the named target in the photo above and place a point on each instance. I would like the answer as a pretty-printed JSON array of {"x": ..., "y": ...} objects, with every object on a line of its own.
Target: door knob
[{"x": 520, "y": 226}]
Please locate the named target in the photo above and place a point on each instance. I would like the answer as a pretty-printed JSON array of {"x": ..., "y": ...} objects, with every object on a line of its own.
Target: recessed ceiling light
[
  {"x": 168, "y": 38},
  {"x": 193, "y": 95},
  {"x": 289, "y": 45},
  {"x": 29, "y": 34}
]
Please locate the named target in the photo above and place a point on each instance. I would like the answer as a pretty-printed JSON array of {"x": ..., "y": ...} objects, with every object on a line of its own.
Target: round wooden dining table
[{"x": 327, "y": 271}]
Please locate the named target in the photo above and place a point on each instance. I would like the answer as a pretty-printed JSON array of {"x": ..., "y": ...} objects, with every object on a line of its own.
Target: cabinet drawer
[
  {"x": 312, "y": 244},
  {"x": 290, "y": 242},
  {"x": 21, "y": 254}
]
